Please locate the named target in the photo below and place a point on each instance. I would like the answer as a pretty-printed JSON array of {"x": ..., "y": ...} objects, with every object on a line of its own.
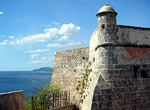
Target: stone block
[
  {"x": 114, "y": 61},
  {"x": 119, "y": 66},
  {"x": 95, "y": 105},
  {"x": 106, "y": 91},
  {"x": 115, "y": 103}
]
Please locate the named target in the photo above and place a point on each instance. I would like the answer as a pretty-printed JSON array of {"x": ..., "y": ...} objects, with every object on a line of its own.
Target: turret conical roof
[{"x": 106, "y": 8}]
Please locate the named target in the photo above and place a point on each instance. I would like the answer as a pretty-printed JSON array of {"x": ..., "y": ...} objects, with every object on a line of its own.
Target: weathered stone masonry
[
  {"x": 12, "y": 101},
  {"x": 120, "y": 70},
  {"x": 127, "y": 80},
  {"x": 69, "y": 67}
]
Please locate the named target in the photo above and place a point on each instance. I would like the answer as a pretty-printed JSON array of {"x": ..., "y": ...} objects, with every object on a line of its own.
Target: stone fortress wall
[
  {"x": 124, "y": 79},
  {"x": 120, "y": 69},
  {"x": 68, "y": 69}
]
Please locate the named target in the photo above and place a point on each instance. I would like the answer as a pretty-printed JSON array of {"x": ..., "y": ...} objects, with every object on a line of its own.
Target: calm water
[{"x": 22, "y": 80}]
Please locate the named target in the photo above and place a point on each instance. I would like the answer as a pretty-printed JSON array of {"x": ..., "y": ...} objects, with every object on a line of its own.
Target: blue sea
[{"x": 23, "y": 80}]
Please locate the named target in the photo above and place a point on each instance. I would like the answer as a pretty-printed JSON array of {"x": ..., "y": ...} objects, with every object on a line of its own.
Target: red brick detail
[{"x": 135, "y": 52}]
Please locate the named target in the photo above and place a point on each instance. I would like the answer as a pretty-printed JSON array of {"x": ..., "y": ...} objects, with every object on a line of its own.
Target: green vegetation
[
  {"x": 83, "y": 57},
  {"x": 84, "y": 83},
  {"x": 93, "y": 59},
  {"x": 44, "y": 69},
  {"x": 41, "y": 91}
]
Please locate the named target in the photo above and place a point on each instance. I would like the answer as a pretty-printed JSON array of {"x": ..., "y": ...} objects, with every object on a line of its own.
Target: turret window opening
[{"x": 103, "y": 26}]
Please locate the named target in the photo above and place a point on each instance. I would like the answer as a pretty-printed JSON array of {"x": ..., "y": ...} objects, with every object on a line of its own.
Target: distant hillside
[{"x": 44, "y": 69}]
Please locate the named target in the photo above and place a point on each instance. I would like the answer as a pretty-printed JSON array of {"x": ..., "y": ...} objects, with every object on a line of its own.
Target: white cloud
[
  {"x": 33, "y": 56},
  {"x": 55, "y": 45},
  {"x": 35, "y": 38},
  {"x": 69, "y": 29},
  {"x": 11, "y": 37},
  {"x": 4, "y": 42},
  {"x": 37, "y": 51},
  {"x": 1, "y": 13},
  {"x": 58, "y": 45},
  {"x": 63, "y": 38},
  {"x": 44, "y": 60},
  {"x": 55, "y": 23},
  {"x": 52, "y": 30},
  {"x": 50, "y": 34},
  {"x": 34, "y": 62}
]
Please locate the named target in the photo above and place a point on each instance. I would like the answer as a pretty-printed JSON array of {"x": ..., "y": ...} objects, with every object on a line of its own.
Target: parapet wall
[
  {"x": 12, "y": 101},
  {"x": 134, "y": 35},
  {"x": 68, "y": 69}
]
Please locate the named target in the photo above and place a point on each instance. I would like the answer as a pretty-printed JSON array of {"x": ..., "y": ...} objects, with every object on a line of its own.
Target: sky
[{"x": 32, "y": 31}]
